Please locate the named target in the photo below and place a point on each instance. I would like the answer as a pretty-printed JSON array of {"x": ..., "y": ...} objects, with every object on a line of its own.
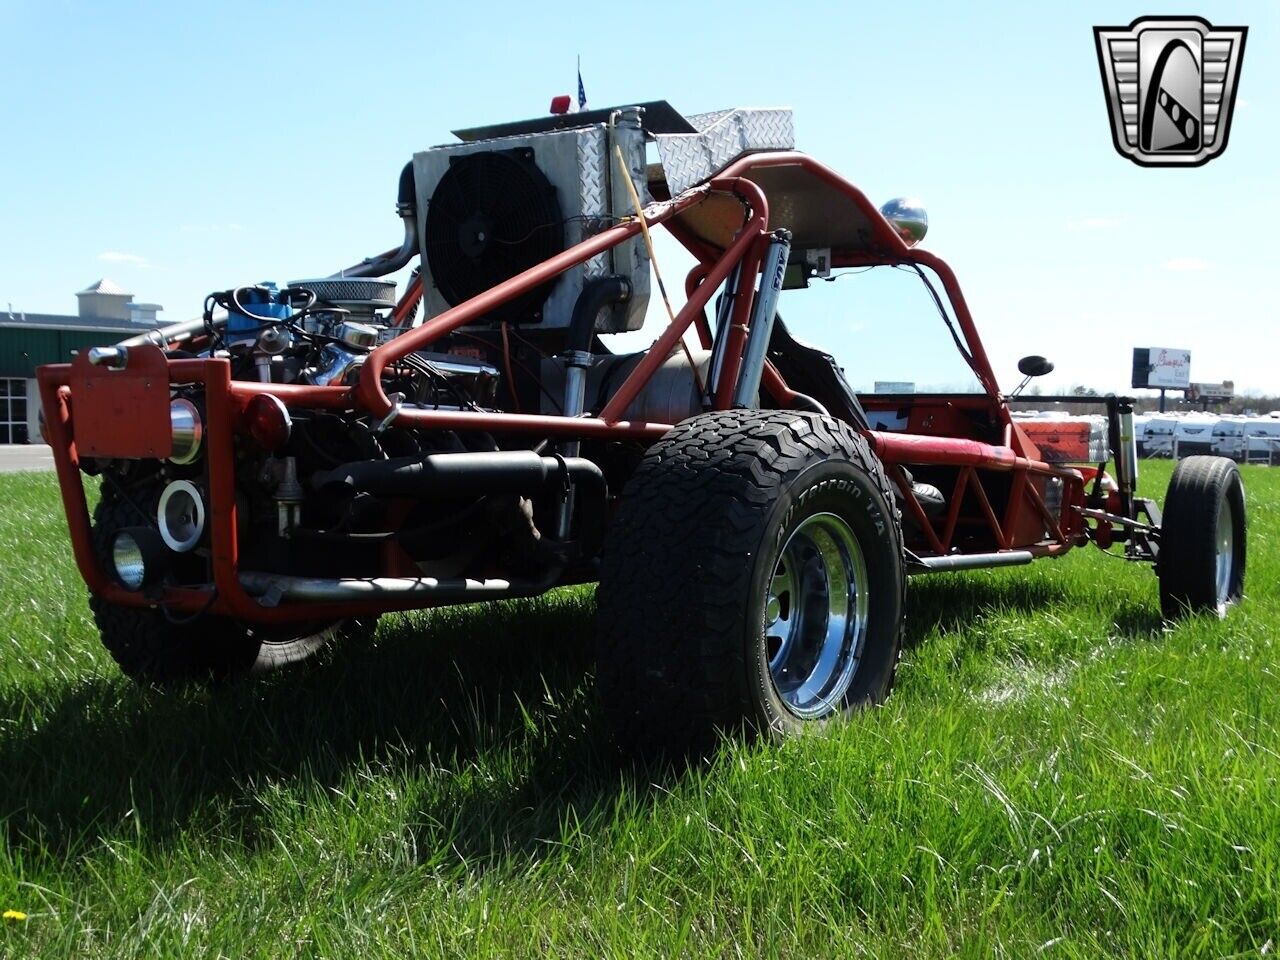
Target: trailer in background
[
  {"x": 1229, "y": 438},
  {"x": 1159, "y": 436},
  {"x": 1193, "y": 436},
  {"x": 1140, "y": 421},
  {"x": 1262, "y": 440}
]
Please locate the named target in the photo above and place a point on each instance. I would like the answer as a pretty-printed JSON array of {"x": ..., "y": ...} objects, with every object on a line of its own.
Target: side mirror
[
  {"x": 1034, "y": 366},
  {"x": 1029, "y": 367}
]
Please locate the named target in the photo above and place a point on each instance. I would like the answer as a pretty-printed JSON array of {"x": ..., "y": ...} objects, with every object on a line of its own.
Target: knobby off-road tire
[
  {"x": 711, "y": 542},
  {"x": 1202, "y": 538},
  {"x": 152, "y": 648}
]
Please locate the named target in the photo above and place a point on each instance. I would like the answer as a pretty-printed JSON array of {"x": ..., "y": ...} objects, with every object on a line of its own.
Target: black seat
[{"x": 815, "y": 372}]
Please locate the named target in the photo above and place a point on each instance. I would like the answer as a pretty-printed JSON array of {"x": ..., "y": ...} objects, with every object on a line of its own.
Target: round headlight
[{"x": 126, "y": 558}]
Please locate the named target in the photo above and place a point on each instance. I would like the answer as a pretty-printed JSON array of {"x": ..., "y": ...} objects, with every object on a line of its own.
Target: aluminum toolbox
[{"x": 1068, "y": 439}]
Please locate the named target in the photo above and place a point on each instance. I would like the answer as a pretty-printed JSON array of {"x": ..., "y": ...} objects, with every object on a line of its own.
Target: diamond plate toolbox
[{"x": 723, "y": 136}]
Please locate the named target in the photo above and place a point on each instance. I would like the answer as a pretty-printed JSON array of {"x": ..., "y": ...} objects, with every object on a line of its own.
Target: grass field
[{"x": 1057, "y": 774}]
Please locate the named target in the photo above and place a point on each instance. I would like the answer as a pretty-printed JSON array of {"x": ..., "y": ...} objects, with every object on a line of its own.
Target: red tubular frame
[{"x": 226, "y": 400}]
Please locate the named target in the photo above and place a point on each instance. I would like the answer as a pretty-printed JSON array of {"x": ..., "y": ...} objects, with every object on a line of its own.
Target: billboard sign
[
  {"x": 1212, "y": 391},
  {"x": 1161, "y": 368}
]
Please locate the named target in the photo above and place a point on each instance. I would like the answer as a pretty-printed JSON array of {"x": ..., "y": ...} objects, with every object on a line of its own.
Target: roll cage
[{"x": 1004, "y": 504}]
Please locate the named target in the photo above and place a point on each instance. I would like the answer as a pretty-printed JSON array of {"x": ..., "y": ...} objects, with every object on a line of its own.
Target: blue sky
[{"x": 181, "y": 148}]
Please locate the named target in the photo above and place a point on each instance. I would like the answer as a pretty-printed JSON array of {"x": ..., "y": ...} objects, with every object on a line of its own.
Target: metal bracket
[{"x": 397, "y": 402}]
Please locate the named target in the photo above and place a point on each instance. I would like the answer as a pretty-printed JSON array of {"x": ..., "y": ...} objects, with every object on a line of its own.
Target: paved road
[{"x": 25, "y": 456}]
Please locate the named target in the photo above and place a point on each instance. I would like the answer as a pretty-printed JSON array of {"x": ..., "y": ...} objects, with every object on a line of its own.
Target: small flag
[{"x": 582, "y": 91}]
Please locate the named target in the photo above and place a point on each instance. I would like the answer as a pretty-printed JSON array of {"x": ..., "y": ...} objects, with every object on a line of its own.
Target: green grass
[{"x": 1057, "y": 774}]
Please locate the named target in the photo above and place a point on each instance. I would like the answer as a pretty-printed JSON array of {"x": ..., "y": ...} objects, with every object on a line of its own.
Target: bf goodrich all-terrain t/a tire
[
  {"x": 1202, "y": 538},
  {"x": 152, "y": 648},
  {"x": 752, "y": 579}
]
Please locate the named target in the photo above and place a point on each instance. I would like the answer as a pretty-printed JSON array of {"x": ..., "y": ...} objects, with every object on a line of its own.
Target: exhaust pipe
[
  {"x": 459, "y": 474},
  {"x": 271, "y": 589},
  {"x": 165, "y": 337},
  {"x": 393, "y": 260},
  {"x": 511, "y": 472},
  {"x": 971, "y": 561}
]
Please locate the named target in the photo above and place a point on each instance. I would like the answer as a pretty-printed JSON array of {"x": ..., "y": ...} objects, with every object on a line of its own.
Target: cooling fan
[{"x": 492, "y": 216}]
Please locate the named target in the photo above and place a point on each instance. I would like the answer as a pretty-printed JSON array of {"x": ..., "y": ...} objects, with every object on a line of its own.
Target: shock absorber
[{"x": 763, "y": 312}]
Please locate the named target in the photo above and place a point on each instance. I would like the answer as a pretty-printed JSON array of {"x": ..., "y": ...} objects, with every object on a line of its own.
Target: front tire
[
  {"x": 752, "y": 579},
  {"x": 1201, "y": 563},
  {"x": 150, "y": 647}
]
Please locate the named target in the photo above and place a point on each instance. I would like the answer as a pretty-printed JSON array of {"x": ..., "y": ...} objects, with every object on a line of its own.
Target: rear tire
[
  {"x": 1201, "y": 563},
  {"x": 752, "y": 579}
]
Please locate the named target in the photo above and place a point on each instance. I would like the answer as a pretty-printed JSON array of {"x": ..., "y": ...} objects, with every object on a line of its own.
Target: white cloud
[
  {"x": 115, "y": 256},
  {"x": 1186, "y": 264}
]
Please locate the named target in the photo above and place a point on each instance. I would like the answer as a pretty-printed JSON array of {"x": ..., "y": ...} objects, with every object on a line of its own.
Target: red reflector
[
  {"x": 268, "y": 421},
  {"x": 561, "y": 103}
]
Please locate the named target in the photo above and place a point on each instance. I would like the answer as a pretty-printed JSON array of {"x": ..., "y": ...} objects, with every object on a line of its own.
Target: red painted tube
[
  {"x": 692, "y": 280},
  {"x": 736, "y": 335},
  {"x": 220, "y": 457},
  {"x": 981, "y": 363},
  {"x": 407, "y": 302},
  {"x": 53, "y": 397},
  {"x": 293, "y": 395},
  {"x": 775, "y": 385},
  {"x": 187, "y": 370},
  {"x": 948, "y": 451},
  {"x": 540, "y": 424},
  {"x": 954, "y": 452}
]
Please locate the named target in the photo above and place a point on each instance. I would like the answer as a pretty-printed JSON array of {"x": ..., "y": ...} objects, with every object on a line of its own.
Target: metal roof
[
  {"x": 106, "y": 286},
  {"x": 60, "y": 321}
]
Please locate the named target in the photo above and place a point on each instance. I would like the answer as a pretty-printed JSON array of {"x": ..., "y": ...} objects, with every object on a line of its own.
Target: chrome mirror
[{"x": 907, "y": 216}]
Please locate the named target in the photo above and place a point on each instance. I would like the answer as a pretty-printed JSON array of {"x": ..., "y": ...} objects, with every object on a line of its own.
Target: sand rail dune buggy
[{"x": 301, "y": 459}]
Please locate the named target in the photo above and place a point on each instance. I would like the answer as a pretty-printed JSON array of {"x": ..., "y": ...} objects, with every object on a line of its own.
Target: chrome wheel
[
  {"x": 816, "y": 615},
  {"x": 1225, "y": 542}
]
